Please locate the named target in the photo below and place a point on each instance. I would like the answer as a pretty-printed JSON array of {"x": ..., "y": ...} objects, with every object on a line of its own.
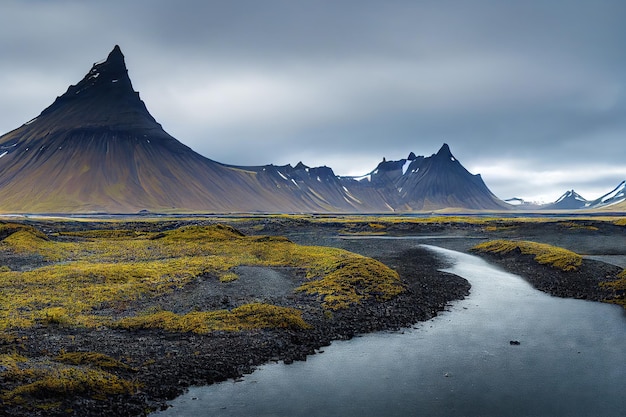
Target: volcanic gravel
[{"x": 166, "y": 363}]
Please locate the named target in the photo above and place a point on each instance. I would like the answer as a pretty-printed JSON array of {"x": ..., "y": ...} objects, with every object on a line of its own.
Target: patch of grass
[
  {"x": 30, "y": 240},
  {"x": 245, "y": 317},
  {"x": 544, "y": 254},
  {"x": 619, "y": 287},
  {"x": 97, "y": 359},
  {"x": 39, "y": 383},
  {"x": 67, "y": 293},
  {"x": 211, "y": 233},
  {"x": 55, "y": 315},
  {"x": 106, "y": 270},
  {"x": 229, "y": 277},
  {"x": 577, "y": 225},
  {"x": 43, "y": 384},
  {"x": 10, "y": 364},
  {"x": 353, "y": 280},
  {"x": 495, "y": 228},
  {"x": 8, "y": 341},
  {"x": 7, "y": 229},
  {"x": 104, "y": 234}
]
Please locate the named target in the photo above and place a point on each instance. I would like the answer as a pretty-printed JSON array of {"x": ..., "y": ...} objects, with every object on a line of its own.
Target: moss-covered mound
[
  {"x": 118, "y": 280},
  {"x": 104, "y": 270},
  {"x": 544, "y": 254},
  {"x": 558, "y": 271}
]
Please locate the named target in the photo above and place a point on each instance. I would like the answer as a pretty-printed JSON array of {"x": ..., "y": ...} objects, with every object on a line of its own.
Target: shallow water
[
  {"x": 571, "y": 361},
  {"x": 617, "y": 260}
]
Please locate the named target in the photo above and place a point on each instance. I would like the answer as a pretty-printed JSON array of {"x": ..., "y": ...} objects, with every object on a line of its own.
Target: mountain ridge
[{"x": 97, "y": 148}]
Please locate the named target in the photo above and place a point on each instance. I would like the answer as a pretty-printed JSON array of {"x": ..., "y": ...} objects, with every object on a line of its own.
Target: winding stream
[{"x": 571, "y": 361}]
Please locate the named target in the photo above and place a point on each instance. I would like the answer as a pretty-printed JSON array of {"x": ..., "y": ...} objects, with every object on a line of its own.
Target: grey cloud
[{"x": 503, "y": 82}]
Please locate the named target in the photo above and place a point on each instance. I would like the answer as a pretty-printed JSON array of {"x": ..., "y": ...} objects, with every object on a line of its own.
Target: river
[{"x": 570, "y": 361}]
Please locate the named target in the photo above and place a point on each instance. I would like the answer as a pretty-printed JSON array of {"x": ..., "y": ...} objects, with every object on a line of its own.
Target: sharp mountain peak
[
  {"x": 445, "y": 152},
  {"x": 104, "y": 98}
]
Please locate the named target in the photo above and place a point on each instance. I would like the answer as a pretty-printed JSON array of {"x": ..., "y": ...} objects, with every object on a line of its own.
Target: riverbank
[
  {"x": 590, "y": 238},
  {"x": 568, "y": 360},
  {"x": 587, "y": 282},
  {"x": 161, "y": 364}
]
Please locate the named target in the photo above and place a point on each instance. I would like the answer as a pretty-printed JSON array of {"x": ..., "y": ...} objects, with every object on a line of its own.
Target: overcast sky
[{"x": 530, "y": 94}]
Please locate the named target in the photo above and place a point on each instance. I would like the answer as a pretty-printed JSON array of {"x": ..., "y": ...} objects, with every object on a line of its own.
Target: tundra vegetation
[
  {"x": 558, "y": 258},
  {"x": 109, "y": 277},
  {"x": 619, "y": 286},
  {"x": 544, "y": 254},
  {"x": 88, "y": 279}
]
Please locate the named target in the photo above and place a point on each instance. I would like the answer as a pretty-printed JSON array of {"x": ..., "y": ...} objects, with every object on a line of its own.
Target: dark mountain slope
[
  {"x": 421, "y": 183},
  {"x": 441, "y": 181},
  {"x": 98, "y": 149},
  {"x": 570, "y": 200}
]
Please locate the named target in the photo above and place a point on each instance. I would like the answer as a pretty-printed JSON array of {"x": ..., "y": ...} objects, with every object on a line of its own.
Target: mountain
[
  {"x": 570, "y": 200},
  {"x": 430, "y": 183},
  {"x": 441, "y": 180},
  {"x": 613, "y": 200},
  {"x": 96, "y": 148}
]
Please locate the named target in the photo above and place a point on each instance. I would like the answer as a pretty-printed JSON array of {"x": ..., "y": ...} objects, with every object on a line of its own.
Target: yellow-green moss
[
  {"x": 97, "y": 359},
  {"x": 495, "y": 227},
  {"x": 576, "y": 225},
  {"x": 109, "y": 269},
  {"x": 7, "y": 229},
  {"x": 42, "y": 383},
  {"x": 619, "y": 286},
  {"x": 353, "y": 280},
  {"x": 10, "y": 364},
  {"x": 215, "y": 232},
  {"x": 229, "y": 277},
  {"x": 544, "y": 254},
  {"x": 246, "y": 317},
  {"x": 60, "y": 381},
  {"x": 55, "y": 315},
  {"x": 104, "y": 234}
]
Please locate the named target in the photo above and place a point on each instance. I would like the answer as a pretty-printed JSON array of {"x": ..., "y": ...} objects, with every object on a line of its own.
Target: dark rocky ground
[
  {"x": 167, "y": 363},
  {"x": 581, "y": 284}
]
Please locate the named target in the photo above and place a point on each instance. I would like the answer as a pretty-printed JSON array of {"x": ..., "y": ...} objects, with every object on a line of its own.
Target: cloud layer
[{"x": 529, "y": 94}]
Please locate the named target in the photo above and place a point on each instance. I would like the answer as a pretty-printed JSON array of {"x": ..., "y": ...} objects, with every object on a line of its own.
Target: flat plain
[{"x": 116, "y": 315}]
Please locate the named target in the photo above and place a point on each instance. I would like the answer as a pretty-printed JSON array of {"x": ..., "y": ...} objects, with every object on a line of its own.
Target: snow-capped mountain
[
  {"x": 611, "y": 199},
  {"x": 98, "y": 149},
  {"x": 429, "y": 183},
  {"x": 570, "y": 200}
]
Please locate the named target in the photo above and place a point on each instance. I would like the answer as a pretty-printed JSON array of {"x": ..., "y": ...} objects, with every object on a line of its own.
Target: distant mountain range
[
  {"x": 570, "y": 200},
  {"x": 97, "y": 149},
  {"x": 614, "y": 200}
]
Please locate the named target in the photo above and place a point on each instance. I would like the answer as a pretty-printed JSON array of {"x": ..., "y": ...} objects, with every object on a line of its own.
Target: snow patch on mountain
[
  {"x": 615, "y": 196},
  {"x": 405, "y": 166}
]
